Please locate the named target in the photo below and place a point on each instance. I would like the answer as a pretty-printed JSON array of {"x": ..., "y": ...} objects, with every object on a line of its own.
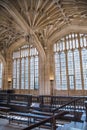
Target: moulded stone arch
[
  {"x": 42, "y": 60},
  {"x": 60, "y": 34},
  {"x": 23, "y": 42},
  {"x": 73, "y": 28}
]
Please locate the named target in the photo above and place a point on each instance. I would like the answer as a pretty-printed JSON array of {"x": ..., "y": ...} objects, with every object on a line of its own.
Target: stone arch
[
  {"x": 73, "y": 28},
  {"x": 23, "y": 24},
  {"x": 23, "y": 42},
  {"x": 42, "y": 61},
  {"x": 60, "y": 34}
]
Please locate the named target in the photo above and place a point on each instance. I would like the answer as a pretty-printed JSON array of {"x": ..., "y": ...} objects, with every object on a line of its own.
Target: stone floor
[{"x": 4, "y": 125}]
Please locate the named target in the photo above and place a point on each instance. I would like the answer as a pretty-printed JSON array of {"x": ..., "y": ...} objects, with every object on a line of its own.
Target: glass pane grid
[
  {"x": 25, "y": 66},
  {"x": 74, "y": 74}
]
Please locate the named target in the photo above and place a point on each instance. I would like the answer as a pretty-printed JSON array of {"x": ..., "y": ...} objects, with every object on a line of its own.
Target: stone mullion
[
  {"x": 67, "y": 74},
  {"x": 34, "y": 72},
  {"x": 16, "y": 74},
  {"x": 73, "y": 64},
  {"x": 20, "y": 72},
  {"x": 81, "y": 68},
  {"x": 24, "y": 72},
  {"x": 67, "y": 77},
  {"x": 29, "y": 72},
  {"x": 74, "y": 70},
  {"x": 29, "y": 68}
]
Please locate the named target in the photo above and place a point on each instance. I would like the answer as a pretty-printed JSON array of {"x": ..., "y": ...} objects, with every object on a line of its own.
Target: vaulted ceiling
[{"x": 38, "y": 18}]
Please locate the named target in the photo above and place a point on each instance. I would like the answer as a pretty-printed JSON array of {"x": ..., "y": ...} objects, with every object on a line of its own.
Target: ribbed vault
[{"x": 38, "y": 19}]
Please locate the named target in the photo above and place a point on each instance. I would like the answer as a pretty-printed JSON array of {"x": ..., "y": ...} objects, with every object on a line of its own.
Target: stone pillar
[
  {"x": 51, "y": 74},
  {"x": 9, "y": 70},
  {"x": 4, "y": 75},
  {"x": 44, "y": 75}
]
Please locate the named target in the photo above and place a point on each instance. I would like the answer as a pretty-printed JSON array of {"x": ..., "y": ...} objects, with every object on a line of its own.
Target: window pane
[
  {"x": 26, "y": 74},
  {"x": 77, "y": 70},
  {"x": 18, "y": 73},
  {"x": 63, "y": 71},
  {"x": 22, "y": 73},
  {"x": 71, "y": 69},
  {"x": 57, "y": 71},
  {"x": 26, "y": 68},
  {"x": 74, "y": 55},
  {"x": 32, "y": 73}
]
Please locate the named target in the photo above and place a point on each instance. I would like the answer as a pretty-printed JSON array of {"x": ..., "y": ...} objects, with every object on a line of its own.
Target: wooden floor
[{"x": 4, "y": 125}]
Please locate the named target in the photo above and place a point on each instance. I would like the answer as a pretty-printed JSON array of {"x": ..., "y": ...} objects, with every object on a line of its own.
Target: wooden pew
[
  {"x": 20, "y": 102},
  {"x": 28, "y": 117}
]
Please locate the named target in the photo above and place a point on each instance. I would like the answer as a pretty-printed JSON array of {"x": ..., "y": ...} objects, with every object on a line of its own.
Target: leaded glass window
[
  {"x": 77, "y": 69},
  {"x": 26, "y": 68},
  {"x": 70, "y": 54},
  {"x": 70, "y": 69}
]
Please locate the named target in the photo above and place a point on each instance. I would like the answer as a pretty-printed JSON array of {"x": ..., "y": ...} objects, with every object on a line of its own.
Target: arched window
[
  {"x": 70, "y": 54},
  {"x": 26, "y": 68},
  {"x": 1, "y": 71}
]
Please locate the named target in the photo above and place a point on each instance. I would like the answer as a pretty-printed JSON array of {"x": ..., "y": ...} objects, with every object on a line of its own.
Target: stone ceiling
[{"x": 38, "y": 18}]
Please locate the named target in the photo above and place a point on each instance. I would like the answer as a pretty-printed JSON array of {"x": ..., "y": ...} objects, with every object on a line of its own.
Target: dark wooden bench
[
  {"x": 20, "y": 102},
  {"x": 5, "y": 109},
  {"x": 4, "y": 112},
  {"x": 4, "y": 98},
  {"x": 29, "y": 117}
]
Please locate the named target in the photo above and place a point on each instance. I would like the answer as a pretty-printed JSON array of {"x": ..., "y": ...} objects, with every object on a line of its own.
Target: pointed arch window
[
  {"x": 26, "y": 68},
  {"x": 71, "y": 66}
]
